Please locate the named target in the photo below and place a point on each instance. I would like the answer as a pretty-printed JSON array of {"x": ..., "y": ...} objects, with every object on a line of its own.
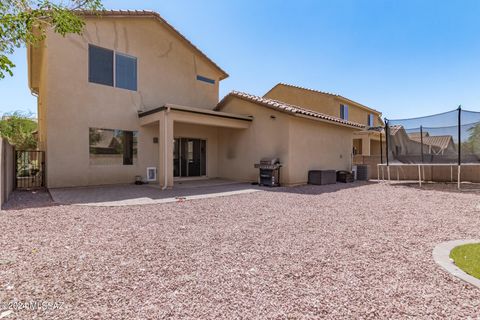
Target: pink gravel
[{"x": 350, "y": 251}]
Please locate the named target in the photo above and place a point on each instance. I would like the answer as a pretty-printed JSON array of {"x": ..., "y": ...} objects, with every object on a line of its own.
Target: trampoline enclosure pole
[
  {"x": 387, "y": 133},
  {"x": 421, "y": 141},
  {"x": 459, "y": 144},
  {"x": 459, "y": 135},
  {"x": 381, "y": 148}
]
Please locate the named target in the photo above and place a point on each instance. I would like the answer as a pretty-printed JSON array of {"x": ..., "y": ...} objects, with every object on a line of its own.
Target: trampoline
[{"x": 442, "y": 147}]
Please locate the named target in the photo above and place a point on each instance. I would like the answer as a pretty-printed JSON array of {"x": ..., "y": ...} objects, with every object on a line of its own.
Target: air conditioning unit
[{"x": 151, "y": 174}]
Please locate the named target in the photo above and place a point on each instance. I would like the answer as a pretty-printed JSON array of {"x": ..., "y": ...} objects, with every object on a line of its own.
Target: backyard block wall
[{"x": 6, "y": 171}]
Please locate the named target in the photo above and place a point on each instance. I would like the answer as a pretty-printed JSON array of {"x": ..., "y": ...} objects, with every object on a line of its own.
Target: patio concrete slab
[{"x": 128, "y": 195}]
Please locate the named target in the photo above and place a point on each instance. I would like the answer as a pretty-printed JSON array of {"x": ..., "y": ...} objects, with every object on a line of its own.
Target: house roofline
[
  {"x": 289, "y": 109},
  {"x": 155, "y": 15},
  {"x": 378, "y": 113},
  {"x": 195, "y": 110}
]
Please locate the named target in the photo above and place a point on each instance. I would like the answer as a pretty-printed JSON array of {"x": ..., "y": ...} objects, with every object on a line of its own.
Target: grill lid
[{"x": 269, "y": 161}]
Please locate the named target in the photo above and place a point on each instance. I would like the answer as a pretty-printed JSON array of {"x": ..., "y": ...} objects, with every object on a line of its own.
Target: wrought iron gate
[{"x": 29, "y": 169}]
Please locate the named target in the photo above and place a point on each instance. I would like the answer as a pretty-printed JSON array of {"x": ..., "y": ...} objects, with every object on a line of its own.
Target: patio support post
[{"x": 165, "y": 150}]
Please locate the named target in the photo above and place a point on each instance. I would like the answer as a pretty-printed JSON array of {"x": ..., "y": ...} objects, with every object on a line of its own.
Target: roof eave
[
  {"x": 153, "y": 14},
  {"x": 221, "y": 104}
]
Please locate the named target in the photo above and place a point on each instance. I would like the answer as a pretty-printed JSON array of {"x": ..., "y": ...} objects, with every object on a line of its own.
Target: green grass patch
[{"x": 467, "y": 258}]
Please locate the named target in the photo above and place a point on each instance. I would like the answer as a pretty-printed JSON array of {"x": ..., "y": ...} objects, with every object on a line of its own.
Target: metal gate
[{"x": 29, "y": 169}]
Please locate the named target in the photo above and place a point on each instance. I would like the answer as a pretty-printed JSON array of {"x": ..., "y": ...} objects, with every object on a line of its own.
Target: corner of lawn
[{"x": 467, "y": 258}]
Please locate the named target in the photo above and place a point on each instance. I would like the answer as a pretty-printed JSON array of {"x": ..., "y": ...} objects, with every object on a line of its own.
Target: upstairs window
[
  {"x": 370, "y": 120},
  {"x": 112, "y": 68},
  {"x": 100, "y": 65},
  {"x": 344, "y": 111},
  {"x": 205, "y": 79}
]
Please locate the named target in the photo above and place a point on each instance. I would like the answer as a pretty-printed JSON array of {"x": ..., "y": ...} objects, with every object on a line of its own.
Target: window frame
[
  {"x": 114, "y": 67},
  {"x": 125, "y": 159},
  {"x": 344, "y": 112},
  {"x": 371, "y": 120},
  {"x": 205, "y": 79},
  {"x": 90, "y": 69}
]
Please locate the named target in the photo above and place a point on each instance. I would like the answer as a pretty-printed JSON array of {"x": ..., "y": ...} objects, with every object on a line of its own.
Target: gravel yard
[{"x": 363, "y": 251}]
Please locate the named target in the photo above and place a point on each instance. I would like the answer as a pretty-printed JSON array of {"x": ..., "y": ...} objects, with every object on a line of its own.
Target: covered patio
[
  {"x": 130, "y": 194},
  {"x": 188, "y": 140}
]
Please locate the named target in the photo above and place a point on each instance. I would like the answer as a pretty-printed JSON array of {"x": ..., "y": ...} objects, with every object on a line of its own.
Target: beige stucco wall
[
  {"x": 324, "y": 103},
  {"x": 7, "y": 170},
  {"x": 69, "y": 105},
  {"x": 318, "y": 146},
  {"x": 301, "y": 144},
  {"x": 239, "y": 150}
]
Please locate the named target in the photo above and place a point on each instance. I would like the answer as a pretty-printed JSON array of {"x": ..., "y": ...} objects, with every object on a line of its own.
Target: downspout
[{"x": 165, "y": 154}]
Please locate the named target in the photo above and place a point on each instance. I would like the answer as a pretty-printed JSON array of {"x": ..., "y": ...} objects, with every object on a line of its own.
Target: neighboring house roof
[
  {"x": 418, "y": 134},
  {"x": 328, "y": 94},
  {"x": 106, "y": 140},
  {"x": 155, "y": 15},
  {"x": 441, "y": 142},
  {"x": 394, "y": 129},
  {"x": 286, "y": 108}
]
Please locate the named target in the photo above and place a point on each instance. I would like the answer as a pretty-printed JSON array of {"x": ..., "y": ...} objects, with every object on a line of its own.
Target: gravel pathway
[{"x": 307, "y": 252}]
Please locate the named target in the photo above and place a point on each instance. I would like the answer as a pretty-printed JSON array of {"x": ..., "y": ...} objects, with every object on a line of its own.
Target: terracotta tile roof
[
  {"x": 287, "y": 108},
  {"x": 153, "y": 14},
  {"x": 394, "y": 129},
  {"x": 325, "y": 93},
  {"x": 417, "y": 134},
  {"x": 441, "y": 142}
]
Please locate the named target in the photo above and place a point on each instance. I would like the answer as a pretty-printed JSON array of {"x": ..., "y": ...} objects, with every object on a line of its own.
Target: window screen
[
  {"x": 125, "y": 72},
  {"x": 100, "y": 65}
]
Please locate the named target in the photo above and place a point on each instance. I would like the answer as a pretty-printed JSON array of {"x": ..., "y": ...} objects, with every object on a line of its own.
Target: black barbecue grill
[{"x": 269, "y": 174}]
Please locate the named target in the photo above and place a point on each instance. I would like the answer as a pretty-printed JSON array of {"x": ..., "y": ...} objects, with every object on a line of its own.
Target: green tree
[
  {"x": 472, "y": 145},
  {"x": 18, "y": 129},
  {"x": 24, "y": 22}
]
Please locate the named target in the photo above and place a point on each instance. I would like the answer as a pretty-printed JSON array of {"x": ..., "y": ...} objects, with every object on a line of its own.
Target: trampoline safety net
[{"x": 451, "y": 138}]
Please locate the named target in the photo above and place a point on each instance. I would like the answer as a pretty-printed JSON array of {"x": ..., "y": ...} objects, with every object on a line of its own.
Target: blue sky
[{"x": 404, "y": 58}]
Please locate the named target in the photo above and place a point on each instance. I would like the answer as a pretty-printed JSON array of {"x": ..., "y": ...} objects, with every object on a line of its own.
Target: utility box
[
  {"x": 322, "y": 177},
  {"x": 362, "y": 172},
  {"x": 344, "y": 176}
]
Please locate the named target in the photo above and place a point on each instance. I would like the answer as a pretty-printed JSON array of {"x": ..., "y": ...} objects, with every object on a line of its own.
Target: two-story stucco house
[
  {"x": 131, "y": 94},
  {"x": 365, "y": 142}
]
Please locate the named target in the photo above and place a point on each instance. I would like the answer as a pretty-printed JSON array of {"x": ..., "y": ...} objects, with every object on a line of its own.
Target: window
[
  {"x": 344, "y": 111},
  {"x": 112, "y": 146},
  {"x": 100, "y": 65},
  {"x": 125, "y": 72},
  {"x": 112, "y": 68},
  {"x": 370, "y": 120},
  {"x": 205, "y": 79}
]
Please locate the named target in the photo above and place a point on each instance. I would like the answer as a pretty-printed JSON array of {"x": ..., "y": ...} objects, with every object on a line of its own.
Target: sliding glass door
[{"x": 189, "y": 157}]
